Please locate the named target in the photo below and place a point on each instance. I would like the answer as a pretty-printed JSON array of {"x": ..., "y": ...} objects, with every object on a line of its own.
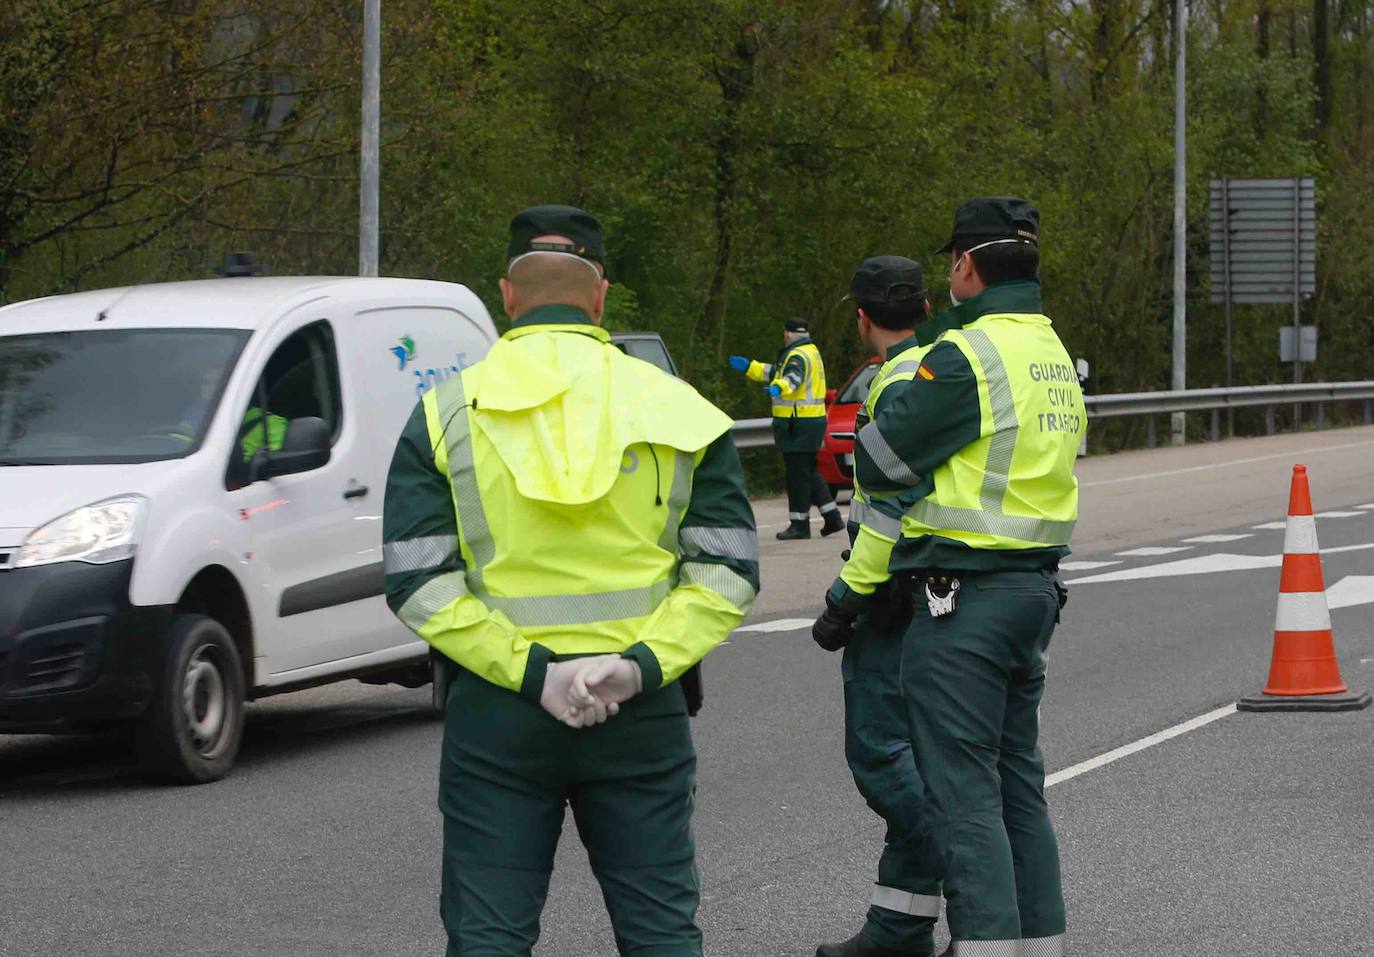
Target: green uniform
[
  {"x": 558, "y": 499},
  {"x": 906, "y": 899},
  {"x": 985, "y": 437}
]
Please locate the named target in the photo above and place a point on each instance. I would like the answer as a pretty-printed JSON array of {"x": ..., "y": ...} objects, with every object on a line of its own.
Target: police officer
[
  {"x": 569, "y": 526},
  {"x": 796, "y": 381},
  {"x": 866, "y": 615},
  {"x": 986, "y": 434}
]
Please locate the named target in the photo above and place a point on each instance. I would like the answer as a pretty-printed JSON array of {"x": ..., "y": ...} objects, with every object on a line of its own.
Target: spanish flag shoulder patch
[{"x": 924, "y": 371}]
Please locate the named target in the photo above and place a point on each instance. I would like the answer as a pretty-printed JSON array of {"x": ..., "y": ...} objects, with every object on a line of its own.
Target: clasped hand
[{"x": 586, "y": 691}]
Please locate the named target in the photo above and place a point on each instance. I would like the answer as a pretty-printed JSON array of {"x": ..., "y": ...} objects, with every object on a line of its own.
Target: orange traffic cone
[{"x": 1304, "y": 674}]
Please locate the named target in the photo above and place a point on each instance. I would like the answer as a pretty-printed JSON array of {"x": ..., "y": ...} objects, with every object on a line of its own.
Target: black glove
[{"x": 833, "y": 630}]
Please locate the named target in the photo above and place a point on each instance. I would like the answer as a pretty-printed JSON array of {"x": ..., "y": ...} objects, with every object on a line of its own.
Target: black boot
[
  {"x": 795, "y": 530},
  {"x": 861, "y": 946},
  {"x": 833, "y": 522}
]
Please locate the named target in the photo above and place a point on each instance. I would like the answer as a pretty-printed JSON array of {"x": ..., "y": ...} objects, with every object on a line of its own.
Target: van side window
[{"x": 301, "y": 381}]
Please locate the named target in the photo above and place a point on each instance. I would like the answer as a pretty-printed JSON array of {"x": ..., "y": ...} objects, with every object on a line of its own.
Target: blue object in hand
[
  {"x": 775, "y": 391},
  {"x": 739, "y": 363}
]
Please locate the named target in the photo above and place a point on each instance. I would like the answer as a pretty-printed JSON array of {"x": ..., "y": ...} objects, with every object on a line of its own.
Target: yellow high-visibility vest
[
  {"x": 568, "y": 522},
  {"x": 807, "y": 401},
  {"x": 1014, "y": 487}
]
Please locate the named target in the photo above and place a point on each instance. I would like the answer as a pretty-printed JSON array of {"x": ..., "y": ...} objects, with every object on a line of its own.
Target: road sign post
[{"x": 1264, "y": 250}]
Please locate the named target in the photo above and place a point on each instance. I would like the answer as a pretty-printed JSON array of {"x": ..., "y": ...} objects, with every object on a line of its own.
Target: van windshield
[{"x": 111, "y": 396}]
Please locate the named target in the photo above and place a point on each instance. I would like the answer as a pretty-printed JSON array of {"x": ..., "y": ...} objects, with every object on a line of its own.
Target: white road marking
[
  {"x": 1270, "y": 526},
  {"x": 1350, "y": 591},
  {"x": 1369, "y": 506},
  {"x": 1203, "y": 565},
  {"x": 1084, "y": 566},
  {"x": 1340, "y": 514},
  {"x": 1152, "y": 551},
  {"x": 1296, "y": 454},
  {"x": 1092, "y": 764},
  {"x": 781, "y": 624},
  {"x": 1213, "y": 539}
]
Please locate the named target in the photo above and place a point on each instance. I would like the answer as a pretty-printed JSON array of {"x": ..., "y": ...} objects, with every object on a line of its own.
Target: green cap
[
  {"x": 582, "y": 229},
  {"x": 987, "y": 218},
  {"x": 887, "y": 279}
]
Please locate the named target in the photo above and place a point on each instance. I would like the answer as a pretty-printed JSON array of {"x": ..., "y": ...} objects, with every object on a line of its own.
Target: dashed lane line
[
  {"x": 780, "y": 624},
  {"x": 1149, "y": 741},
  {"x": 1212, "y": 539},
  {"x": 1153, "y": 551},
  {"x": 1084, "y": 566}
]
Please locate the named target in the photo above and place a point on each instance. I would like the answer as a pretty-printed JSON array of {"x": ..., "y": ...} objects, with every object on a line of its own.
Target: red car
[{"x": 836, "y": 457}]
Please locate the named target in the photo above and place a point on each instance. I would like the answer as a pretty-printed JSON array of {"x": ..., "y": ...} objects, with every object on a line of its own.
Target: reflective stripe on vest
[
  {"x": 539, "y": 610},
  {"x": 418, "y": 554},
  {"x": 879, "y": 451},
  {"x": 866, "y": 514},
  {"x": 989, "y": 519}
]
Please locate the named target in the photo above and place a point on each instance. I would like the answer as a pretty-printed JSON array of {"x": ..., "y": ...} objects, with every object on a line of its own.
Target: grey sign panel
[
  {"x": 1263, "y": 240},
  {"x": 1308, "y": 341}
]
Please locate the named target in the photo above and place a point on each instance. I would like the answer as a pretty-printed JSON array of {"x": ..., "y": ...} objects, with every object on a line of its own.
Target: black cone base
[{"x": 1341, "y": 701}]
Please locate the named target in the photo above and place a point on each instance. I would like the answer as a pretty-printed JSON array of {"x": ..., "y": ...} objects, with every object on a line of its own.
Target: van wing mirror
[{"x": 305, "y": 447}]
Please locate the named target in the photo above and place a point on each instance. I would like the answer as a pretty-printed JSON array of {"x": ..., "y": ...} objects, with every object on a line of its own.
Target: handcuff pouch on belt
[{"x": 942, "y": 592}]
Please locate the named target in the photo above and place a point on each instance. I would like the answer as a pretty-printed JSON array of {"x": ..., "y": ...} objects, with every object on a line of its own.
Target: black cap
[
  {"x": 796, "y": 324},
  {"x": 581, "y": 227},
  {"x": 987, "y": 218},
  {"x": 887, "y": 279}
]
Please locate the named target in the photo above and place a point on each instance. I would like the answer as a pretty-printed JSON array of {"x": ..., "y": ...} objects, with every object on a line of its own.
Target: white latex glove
[
  {"x": 554, "y": 698},
  {"x": 610, "y": 679}
]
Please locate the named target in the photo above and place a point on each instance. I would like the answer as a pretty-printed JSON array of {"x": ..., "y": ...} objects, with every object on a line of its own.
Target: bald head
[{"x": 548, "y": 278}]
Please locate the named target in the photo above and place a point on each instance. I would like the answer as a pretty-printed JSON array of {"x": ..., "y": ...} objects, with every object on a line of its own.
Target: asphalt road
[{"x": 1251, "y": 835}]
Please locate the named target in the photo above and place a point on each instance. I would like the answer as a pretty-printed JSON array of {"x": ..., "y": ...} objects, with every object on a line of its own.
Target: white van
[{"x": 191, "y": 484}]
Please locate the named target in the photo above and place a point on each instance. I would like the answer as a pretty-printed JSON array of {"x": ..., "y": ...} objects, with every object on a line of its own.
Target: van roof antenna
[{"x": 104, "y": 314}]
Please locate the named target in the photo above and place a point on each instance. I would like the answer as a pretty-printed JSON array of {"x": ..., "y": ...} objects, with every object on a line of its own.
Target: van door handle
[{"x": 355, "y": 491}]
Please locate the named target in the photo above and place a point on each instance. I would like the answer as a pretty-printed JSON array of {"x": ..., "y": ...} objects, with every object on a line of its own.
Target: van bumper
[{"x": 74, "y": 653}]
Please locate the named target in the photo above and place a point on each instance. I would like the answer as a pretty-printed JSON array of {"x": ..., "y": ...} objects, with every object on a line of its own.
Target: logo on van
[{"x": 404, "y": 352}]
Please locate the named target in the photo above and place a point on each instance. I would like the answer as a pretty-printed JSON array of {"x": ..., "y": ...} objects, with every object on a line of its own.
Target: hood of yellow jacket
[{"x": 561, "y": 404}]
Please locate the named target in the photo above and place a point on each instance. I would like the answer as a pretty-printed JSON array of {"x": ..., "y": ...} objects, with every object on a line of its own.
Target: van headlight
[{"x": 98, "y": 533}]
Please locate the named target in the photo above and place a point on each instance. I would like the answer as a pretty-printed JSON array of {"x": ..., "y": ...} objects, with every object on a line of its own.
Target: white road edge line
[
  {"x": 1295, "y": 454},
  {"x": 1126, "y": 750}
]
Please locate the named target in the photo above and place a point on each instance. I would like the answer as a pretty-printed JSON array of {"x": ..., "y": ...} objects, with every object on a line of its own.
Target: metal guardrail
[
  {"x": 1203, "y": 400},
  {"x": 758, "y": 433},
  {"x": 753, "y": 433}
]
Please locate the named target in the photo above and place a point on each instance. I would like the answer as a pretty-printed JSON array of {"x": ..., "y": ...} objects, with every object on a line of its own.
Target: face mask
[{"x": 996, "y": 242}]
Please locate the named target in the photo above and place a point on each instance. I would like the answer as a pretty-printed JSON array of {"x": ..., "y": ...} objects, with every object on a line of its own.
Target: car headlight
[{"x": 98, "y": 533}]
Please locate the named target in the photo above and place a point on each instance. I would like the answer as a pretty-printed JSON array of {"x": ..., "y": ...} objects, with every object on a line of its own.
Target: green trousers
[
  {"x": 508, "y": 770},
  {"x": 973, "y": 682},
  {"x": 877, "y": 745}
]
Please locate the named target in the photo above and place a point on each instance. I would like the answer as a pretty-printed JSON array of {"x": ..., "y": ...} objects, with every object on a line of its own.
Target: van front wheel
[{"x": 192, "y": 730}]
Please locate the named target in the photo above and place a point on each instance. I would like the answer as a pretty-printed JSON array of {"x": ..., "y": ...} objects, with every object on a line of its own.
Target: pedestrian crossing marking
[{"x": 1203, "y": 565}]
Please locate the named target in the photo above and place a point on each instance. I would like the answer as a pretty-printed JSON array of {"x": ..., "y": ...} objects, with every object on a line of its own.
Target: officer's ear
[
  {"x": 599, "y": 303},
  {"x": 507, "y": 297}
]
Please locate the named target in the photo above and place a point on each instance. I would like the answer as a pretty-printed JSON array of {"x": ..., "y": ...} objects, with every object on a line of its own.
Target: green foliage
[{"x": 743, "y": 154}]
